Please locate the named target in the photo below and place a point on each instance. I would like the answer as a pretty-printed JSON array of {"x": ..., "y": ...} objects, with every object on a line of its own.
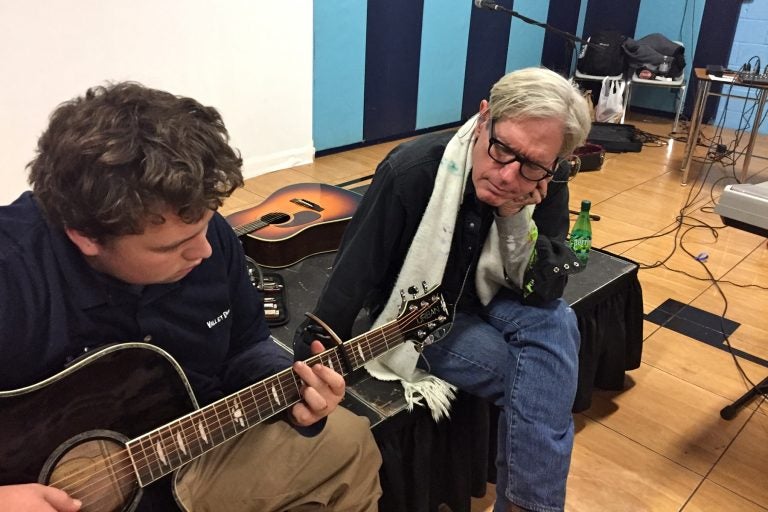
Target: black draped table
[{"x": 427, "y": 463}]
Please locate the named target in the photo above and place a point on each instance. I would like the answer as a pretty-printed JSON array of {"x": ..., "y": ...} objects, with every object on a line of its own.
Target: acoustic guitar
[
  {"x": 124, "y": 417},
  {"x": 295, "y": 222}
]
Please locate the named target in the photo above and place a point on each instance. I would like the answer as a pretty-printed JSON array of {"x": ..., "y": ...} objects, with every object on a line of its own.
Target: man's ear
[
  {"x": 483, "y": 117},
  {"x": 483, "y": 106},
  {"x": 88, "y": 246}
]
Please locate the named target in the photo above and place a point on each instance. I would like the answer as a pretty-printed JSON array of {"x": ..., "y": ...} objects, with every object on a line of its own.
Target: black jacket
[{"x": 377, "y": 239}]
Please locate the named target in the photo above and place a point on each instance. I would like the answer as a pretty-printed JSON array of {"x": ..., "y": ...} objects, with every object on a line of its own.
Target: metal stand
[
  {"x": 729, "y": 412},
  {"x": 492, "y": 6},
  {"x": 702, "y": 93}
]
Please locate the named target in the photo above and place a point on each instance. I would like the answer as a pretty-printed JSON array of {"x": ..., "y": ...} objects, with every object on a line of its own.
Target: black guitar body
[{"x": 115, "y": 394}]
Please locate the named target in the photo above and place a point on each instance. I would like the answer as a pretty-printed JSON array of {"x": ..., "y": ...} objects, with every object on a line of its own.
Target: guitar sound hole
[
  {"x": 94, "y": 467},
  {"x": 275, "y": 218}
]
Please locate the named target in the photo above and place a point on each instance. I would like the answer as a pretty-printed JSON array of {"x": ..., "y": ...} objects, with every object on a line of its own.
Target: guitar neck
[
  {"x": 169, "y": 447},
  {"x": 249, "y": 227}
]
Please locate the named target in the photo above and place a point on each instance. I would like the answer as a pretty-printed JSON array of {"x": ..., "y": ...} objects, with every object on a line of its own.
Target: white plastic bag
[{"x": 610, "y": 106}]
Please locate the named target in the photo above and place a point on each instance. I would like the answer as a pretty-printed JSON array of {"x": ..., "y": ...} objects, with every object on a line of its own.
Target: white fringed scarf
[{"x": 505, "y": 256}]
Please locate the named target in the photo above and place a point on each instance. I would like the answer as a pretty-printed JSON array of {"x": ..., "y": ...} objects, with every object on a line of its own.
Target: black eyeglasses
[{"x": 503, "y": 154}]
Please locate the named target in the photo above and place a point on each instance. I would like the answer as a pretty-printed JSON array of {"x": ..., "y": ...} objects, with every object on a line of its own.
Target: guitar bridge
[{"x": 306, "y": 203}]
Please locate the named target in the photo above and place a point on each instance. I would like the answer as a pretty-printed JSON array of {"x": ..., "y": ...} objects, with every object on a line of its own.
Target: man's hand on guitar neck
[
  {"x": 322, "y": 391},
  {"x": 36, "y": 498}
]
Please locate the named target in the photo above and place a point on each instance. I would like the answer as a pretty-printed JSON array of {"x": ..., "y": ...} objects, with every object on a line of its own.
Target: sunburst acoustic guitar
[{"x": 295, "y": 222}]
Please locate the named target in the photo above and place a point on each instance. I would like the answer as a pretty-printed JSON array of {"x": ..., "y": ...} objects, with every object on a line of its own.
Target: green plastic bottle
[{"x": 581, "y": 236}]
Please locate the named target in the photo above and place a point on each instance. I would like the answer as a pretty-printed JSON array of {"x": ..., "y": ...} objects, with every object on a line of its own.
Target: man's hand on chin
[{"x": 516, "y": 204}]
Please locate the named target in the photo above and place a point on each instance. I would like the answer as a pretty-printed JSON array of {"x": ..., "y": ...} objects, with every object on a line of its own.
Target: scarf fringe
[{"x": 437, "y": 394}]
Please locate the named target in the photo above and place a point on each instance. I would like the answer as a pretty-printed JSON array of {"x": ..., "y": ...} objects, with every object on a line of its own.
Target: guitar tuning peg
[{"x": 413, "y": 290}]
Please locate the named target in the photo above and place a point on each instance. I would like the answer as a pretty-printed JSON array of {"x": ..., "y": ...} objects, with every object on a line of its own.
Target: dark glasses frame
[{"x": 517, "y": 157}]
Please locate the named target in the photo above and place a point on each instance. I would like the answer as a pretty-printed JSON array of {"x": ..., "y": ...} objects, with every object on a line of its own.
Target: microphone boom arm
[{"x": 567, "y": 35}]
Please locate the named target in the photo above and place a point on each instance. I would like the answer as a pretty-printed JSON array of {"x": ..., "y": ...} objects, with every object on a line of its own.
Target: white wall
[{"x": 252, "y": 60}]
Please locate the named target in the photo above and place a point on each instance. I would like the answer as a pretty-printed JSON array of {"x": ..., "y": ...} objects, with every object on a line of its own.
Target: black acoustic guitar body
[{"x": 56, "y": 428}]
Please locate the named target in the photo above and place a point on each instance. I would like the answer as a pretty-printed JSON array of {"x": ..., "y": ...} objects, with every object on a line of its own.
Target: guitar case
[
  {"x": 591, "y": 156},
  {"x": 615, "y": 138}
]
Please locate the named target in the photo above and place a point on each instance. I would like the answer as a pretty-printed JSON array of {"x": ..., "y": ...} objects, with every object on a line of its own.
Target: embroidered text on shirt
[{"x": 212, "y": 323}]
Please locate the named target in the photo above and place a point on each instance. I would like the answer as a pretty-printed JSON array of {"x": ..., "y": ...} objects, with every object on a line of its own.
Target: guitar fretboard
[
  {"x": 169, "y": 447},
  {"x": 255, "y": 225}
]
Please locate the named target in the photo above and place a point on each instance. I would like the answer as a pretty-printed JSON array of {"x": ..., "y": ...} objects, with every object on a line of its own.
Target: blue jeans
[{"x": 524, "y": 359}]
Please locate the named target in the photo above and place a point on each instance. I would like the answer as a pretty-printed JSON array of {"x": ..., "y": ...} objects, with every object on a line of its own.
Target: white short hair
[{"x": 541, "y": 93}]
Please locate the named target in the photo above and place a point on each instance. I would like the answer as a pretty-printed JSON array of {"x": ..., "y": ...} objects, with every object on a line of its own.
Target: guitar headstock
[{"x": 424, "y": 319}]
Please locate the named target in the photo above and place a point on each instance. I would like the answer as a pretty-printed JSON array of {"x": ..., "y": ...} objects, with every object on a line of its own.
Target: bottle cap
[{"x": 585, "y": 204}]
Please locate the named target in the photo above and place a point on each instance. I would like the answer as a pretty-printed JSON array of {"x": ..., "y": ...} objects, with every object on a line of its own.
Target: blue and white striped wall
[{"x": 389, "y": 68}]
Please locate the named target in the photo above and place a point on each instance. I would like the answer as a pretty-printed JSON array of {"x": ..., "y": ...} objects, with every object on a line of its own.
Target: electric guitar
[
  {"x": 295, "y": 222},
  {"x": 124, "y": 417}
]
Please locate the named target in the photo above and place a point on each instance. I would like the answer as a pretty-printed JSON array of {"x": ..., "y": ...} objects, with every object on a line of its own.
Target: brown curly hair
[{"x": 118, "y": 157}]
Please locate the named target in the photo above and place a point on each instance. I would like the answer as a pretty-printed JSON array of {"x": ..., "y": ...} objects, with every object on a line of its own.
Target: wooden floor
[{"x": 659, "y": 445}]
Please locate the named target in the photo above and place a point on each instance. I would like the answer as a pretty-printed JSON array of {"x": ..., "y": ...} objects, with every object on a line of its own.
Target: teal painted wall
[
  {"x": 445, "y": 29},
  {"x": 339, "y": 72},
  {"x": 526, "y": 40}
]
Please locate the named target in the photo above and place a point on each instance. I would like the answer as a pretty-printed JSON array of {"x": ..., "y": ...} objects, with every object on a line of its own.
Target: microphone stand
[
  {"x": 546, "y": 26},
  {"x": 570, "y": 39}
]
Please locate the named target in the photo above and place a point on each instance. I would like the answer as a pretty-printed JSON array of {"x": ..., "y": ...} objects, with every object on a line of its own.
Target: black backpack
[{"x": 608, "y": 60}]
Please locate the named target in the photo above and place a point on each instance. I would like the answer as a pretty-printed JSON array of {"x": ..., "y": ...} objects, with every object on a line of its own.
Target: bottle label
[{"x": 581, "y": 247}]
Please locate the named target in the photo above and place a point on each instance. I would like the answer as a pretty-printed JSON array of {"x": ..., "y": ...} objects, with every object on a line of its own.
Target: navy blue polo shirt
[{"x": 54, "y": 306}]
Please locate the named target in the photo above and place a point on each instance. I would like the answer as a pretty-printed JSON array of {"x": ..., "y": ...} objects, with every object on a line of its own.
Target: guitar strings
[
  {"x": 366, "y": 337},
  {"x": 266, "y": 220},
  {"x": 126, "y": 460},
  {"x": 119, "y": 466}
]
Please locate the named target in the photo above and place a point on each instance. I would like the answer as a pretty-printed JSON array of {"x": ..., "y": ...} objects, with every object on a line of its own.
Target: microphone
[{"x": 487, "y": 4}]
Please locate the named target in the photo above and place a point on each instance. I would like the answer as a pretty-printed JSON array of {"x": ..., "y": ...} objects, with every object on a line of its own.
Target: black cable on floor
[{"x": 685, "y": 219}]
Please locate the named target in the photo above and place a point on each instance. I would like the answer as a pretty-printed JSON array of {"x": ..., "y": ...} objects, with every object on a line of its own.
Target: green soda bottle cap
[{"x": 586, "y": 204}]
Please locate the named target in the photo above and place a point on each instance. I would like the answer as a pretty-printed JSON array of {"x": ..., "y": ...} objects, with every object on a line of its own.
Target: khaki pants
[{"x": 272, "y": 468}]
